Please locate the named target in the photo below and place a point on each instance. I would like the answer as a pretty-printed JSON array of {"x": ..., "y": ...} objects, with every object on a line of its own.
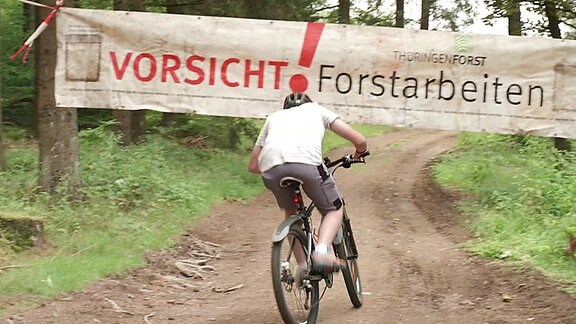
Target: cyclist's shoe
[
  {"x": 325, "y": 263},
  {"x": 299, "y": 274}
]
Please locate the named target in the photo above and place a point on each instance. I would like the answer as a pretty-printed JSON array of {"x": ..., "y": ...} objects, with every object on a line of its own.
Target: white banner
[{"x": 375, "y": 75}]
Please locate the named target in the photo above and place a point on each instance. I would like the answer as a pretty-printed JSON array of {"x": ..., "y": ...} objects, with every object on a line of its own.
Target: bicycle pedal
[{"x": 314, "y": 277}]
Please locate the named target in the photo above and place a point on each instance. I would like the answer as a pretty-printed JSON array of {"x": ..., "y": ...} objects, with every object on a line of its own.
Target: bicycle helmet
[{"x": 295, "y": 99}]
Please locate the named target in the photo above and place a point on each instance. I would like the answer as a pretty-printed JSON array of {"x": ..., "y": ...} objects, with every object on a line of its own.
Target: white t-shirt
[{"x": 294, "y": 135}]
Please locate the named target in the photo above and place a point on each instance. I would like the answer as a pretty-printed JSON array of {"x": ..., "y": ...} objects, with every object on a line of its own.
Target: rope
[{"x": 27, "y": 46}]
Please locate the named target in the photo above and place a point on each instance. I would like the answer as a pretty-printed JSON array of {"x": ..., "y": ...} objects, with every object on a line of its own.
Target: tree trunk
[
  {"x": 561, "y": 144},
  {"x": 170, "y": 119},
  {"x": 399, "y": 14},
  {"x": 132, "y": 122},
  {"x": 425, "y": 15},
  {"x": 57, "y": 127},
  {"x": 514, "y": 18},
  {"x": 553, "y": 20},
  {"x": 515, "y": 29},
  {"x": 344, "y": 11}
]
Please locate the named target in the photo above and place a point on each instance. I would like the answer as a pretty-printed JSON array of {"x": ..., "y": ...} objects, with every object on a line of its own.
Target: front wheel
[
  {"x": 351, "y": 273},
  {"x": 297, "y": 301}
]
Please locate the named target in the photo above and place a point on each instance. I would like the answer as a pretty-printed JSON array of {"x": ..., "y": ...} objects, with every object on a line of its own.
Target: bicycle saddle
[{"x": 290, "y": 182}]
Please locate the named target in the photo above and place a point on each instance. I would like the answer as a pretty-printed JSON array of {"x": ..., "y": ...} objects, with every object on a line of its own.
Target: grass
[
  {"x": 525, "y": 200},
  {"x": 135, "y": 199}
]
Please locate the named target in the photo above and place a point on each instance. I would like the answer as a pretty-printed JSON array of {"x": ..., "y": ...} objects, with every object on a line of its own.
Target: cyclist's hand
[{"x": 359, "y": 156}]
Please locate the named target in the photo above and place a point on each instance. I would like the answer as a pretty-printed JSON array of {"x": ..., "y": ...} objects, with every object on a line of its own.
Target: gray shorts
[{"x": 318, "y": 185}]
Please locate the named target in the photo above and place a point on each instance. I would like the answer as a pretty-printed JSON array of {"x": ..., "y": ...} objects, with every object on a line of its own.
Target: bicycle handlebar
[{"x": 346, "y": 161}]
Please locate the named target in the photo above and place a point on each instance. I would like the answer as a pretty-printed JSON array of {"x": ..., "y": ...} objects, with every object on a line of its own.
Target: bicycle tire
[
  {"x": 351, "y": 272},
  {"x": 296, "y": 304}
]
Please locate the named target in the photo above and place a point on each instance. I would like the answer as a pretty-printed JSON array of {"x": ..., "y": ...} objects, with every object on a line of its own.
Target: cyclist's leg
[
  {"x": 323, "y": 257},
  {"x": 322, "y": 189},
  {"x": 329, "y": 227}
]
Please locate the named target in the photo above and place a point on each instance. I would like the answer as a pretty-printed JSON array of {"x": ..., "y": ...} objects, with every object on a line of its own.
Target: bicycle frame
[
  {"x": 304, "y": 213},
  {"x": 296, "y": 290}
]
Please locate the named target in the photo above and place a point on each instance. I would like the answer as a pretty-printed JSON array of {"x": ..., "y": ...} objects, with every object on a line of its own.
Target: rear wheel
[
  {"x": 351, "y": 273},
  {"x": 297, "y": 303}
]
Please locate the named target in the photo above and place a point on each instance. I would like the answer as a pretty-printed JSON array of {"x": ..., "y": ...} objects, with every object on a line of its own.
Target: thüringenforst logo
[{"x": 463, "y": 43}]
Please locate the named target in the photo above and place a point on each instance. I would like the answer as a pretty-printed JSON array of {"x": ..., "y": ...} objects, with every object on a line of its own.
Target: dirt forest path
[{"x": 408, "y": 233}]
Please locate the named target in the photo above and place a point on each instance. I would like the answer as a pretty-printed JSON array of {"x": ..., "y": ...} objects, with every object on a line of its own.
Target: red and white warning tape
[{"x": 27, "y": 46}]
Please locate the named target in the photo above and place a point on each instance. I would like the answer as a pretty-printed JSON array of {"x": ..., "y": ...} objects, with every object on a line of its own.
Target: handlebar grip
[
  {"x": 346, "y": 160},
  {"x": 364, "y": 154}
]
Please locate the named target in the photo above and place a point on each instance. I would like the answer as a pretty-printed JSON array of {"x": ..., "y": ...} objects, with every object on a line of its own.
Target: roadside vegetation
[
  {"x": 134, "y": 199},
  {"x": 522, "y": 205}
]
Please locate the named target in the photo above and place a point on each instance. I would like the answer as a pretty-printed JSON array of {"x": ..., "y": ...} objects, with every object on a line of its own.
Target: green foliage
[
  {"x": 565, "y": 10},
  {"x": 372, "y": 14},
  {"x": 21, "y": 230},
  {"x": 16, "y": 77},
  {"x": 91, "y": 118},
  {"x": 525, "y": 198},
  {"x": 14, "y": 133},
  {"x": 214, "y": 131},
  {"x": 372, "y": 17},
  {"x": 134, "y": 199},
  {"x": 94, "y": 4},
  {"x": 454, "y": 16}
]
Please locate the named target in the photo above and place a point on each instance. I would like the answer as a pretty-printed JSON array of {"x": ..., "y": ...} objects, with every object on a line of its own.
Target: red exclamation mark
[{"x": 299, "y": 82}]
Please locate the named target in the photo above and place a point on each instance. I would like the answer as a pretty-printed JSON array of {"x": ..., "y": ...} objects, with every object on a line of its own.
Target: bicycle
[{"x": 300, "y": 302}]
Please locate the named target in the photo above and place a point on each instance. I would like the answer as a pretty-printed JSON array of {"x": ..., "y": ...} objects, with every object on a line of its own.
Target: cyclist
[{"x": 290, "y": 144}]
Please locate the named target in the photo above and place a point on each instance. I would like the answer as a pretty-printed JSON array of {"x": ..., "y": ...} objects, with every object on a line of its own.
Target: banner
[{"x": 373, "y": 75}]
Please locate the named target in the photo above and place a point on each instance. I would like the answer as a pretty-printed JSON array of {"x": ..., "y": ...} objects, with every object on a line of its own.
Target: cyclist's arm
[
  {"x": 344, "y": 130},
  {"x": 253, "y": 166}
]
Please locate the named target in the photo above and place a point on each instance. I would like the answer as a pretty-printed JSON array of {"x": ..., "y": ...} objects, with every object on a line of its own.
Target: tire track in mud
[{"x": 401, "y": 287}]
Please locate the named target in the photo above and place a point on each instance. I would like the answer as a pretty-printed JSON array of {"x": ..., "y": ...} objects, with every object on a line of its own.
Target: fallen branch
[
  {"x": 117, "y": 308},
  {"x": 205, "y": 255},
  {"x": 198, "y": 142},
  {"x": 200, "y": 252},
  {"x": 11, "y": 267},
  {"x": 192, "y": 268},
  {"x": 218, "y": 290},
  {"x": 212, "y": 244},
  {"x": 147, "y": 318}
]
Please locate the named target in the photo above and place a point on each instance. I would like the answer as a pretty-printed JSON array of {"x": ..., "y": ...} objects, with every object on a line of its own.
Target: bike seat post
[
  {"x": 296, "y": 185},
  {"x": 298, "y": 199}
]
